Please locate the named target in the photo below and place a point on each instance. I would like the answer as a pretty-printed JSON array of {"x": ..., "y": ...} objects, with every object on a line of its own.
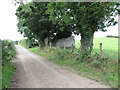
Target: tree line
[{"x": 56, "y": 20}]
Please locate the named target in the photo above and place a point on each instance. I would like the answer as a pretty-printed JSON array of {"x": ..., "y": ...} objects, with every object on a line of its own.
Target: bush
[
  {"x": 28, "y": 43},
  {"x": 8, "y": 50}
]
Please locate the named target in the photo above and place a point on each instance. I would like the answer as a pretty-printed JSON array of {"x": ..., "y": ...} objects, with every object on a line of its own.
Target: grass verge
[
  {"x": 8, "y": 52},
  {"x": 7, "y": 73},
  {"x": 102, "y": 69}
]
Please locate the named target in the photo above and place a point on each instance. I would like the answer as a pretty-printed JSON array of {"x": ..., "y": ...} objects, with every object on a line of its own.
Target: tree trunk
[
  {"x": 41, "y": 44},
  {"x": 86, "y": 43}
]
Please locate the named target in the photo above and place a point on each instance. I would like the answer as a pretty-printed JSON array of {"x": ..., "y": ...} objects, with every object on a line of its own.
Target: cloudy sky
[{"x": 8, "y": 21}]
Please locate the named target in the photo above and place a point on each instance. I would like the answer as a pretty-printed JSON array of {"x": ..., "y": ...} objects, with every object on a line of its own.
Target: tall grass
[{"x": 103, "y": 69}]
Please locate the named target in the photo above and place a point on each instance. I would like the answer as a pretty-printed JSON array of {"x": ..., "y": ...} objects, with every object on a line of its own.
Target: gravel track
[{"x": 33, "y": 71}]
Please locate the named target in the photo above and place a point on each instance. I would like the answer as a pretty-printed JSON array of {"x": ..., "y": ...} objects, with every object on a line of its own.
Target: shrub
[{"x": 8, "y": 50}]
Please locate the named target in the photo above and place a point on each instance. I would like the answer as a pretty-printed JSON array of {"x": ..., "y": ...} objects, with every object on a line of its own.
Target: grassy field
[
  {"x": 108, "y": 43},
  {"x": 102, "y": 69},
  {"x": 110, "y": 46}
]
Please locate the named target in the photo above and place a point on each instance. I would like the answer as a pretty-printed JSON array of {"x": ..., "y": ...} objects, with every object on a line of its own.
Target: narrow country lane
[{"x": 33, "y": 71}]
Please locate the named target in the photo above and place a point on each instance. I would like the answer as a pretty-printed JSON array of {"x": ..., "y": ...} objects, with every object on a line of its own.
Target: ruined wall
[{"x": 67, "y": 42}]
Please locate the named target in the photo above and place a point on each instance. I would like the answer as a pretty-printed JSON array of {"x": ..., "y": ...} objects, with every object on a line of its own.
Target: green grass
[
  {"x": 8, "y": 52},
  {"x": 7, "y": 73},
  {"x": 108, "y": 43},
  {"x": 103, "y": 69},
  {"x": 110, "y": 46}
]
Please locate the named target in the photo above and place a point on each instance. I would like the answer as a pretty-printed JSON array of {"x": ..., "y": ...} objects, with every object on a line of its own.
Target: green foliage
[
  {"x": 28, "y": 43},
  {"x": 23, "y": 43},
  {"x": 34, "y": 23},
  {"x": 96, "y": 63},
  {"x": 8, "y": 52},
  {"x": 100, "y": 68},
  {"x": 84, "y": 18},
  {"x": 16, "y": 42},
  {"x": 88, "y": 17},
  {"x": 56, "y": 20}
]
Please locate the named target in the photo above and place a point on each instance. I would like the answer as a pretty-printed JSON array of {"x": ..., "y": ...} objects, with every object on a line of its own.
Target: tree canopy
[
  {"x": 34, "y": 23},
  {"x": 85, "y": 18},
  {"x": 56, "y": 20}
]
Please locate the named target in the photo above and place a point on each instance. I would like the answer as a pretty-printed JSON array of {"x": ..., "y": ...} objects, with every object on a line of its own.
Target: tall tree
[
  {"x": 34, "y": 23},
  {"x": 85, "y": 18}
]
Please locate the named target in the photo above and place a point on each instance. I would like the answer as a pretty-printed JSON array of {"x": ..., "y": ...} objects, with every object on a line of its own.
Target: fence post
[
  {"x": 100, "y": 49},
  {"x": 64, "y": 46}
]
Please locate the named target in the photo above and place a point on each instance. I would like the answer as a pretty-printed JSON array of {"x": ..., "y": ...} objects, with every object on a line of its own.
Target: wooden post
[
  {"x": 100, "y": 49},
  {"x": 64, "y": 46}
]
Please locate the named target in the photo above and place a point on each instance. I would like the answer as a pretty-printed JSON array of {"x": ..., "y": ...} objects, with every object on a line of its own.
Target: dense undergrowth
[
  {"x": 8, "y": 52},
  {"x": 103, "y": 69}
]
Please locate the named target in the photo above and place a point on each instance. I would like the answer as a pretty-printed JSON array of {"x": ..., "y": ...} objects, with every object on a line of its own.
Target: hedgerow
[{"x": 8, "y": 52}]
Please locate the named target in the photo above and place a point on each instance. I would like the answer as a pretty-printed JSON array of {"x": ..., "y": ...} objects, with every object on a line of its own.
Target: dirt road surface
[{"x": 33, "y": 71}]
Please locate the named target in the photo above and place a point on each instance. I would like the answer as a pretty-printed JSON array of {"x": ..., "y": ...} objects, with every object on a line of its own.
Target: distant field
[
  {"x": 110, "y": 46},
  {"x": 108, "y": 43}
]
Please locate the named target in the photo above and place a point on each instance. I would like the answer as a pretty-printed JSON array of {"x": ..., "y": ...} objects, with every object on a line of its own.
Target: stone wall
[{"x": 67, "y": 42}]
